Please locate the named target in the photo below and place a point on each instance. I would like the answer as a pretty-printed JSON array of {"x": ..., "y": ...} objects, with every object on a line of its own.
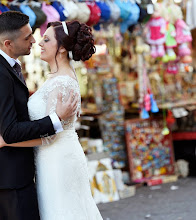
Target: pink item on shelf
[
  {"x": 161, "y": 51},
  {"x": 156, "y": 33},
  {"x": 52, "y": 15},
  {"x": 172, "y": 68},
  {"x": 183, "y": 50},
  {"x": 183, "y": 33},
  {"x": 147, "y": 102}
]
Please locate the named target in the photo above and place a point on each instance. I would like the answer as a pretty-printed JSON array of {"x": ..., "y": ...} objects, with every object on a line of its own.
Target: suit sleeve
[{"x": 11, "y": 129}]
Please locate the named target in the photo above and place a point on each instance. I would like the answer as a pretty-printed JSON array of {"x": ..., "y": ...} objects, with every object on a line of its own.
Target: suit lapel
[{"x": 7, "y": 65}]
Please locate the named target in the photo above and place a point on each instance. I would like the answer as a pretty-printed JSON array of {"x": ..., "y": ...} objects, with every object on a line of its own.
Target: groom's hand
[{"x": 67, "y": 109}]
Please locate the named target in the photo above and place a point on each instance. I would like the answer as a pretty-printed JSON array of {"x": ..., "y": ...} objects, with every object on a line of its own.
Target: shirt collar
[{"x": 10, "y": 60}]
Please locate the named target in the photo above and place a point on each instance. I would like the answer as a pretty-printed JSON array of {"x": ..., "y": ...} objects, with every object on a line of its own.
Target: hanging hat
[
  {"x": 28, "y": 11},
  {"x": 51, "y": 14},
  {"x": 14, "y": 8},
  {"x": 114, "y": 11},
  {"x": 41, "y": 17},
  {"x": 59, "y": 7},
  {"x": 83, "y": 12},
  {"x": 95, "y": 13},
  {"x": 143, "y": 14},
  {"x": 105, "y": 14},
  {"x": 71, "y": 9},
  {"x": 132, "y": 19},
  {"x": 3, "y": 8},
  {"x": 124, "y": 9}
]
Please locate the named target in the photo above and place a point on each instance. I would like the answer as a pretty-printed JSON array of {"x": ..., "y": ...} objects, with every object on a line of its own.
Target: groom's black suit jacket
[{"x": 17, "y": 164}]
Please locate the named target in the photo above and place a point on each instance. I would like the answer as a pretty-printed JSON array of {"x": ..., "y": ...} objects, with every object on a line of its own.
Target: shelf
[{"x": 179, "y": 136}]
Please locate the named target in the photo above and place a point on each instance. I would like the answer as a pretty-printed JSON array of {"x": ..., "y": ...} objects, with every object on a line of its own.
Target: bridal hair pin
[{"x": 66, "y": 31}]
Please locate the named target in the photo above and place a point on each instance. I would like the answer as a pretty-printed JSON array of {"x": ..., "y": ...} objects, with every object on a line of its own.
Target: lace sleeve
[{"x": 57, "y": 86}]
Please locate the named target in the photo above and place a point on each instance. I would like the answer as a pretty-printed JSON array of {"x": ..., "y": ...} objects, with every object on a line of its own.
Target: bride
[{"x": 61, "y": 170}]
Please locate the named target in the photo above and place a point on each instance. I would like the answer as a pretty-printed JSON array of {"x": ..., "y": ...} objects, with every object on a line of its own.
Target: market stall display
[{"x": 150, "y": 152}]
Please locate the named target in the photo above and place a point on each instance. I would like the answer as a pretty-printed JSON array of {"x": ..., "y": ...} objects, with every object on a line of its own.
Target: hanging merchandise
[
  {"x": 14, "y": 6},
  {"x": 71, "y": 9},
  {"x": 183, "y": 35},
  {"x": 52, "y": 15},
  {"x": 105, "y": 14},
  {"x": 146, "y": 101},
  {"x": 95, "y": 13},
  {"x": 114, "y": 11},
  {"x": 3, "y": 8},
  {"x": 40, "y": 16},
  {"x": 28, "y": 11},
  {"x": 124, "y": 10},
  {"x": 133, "y": 17},
  {"x": 83, "y": 12},
  {"x": 155, "y": 32},
  {"x": 142, "y": 15},
  {"x": 112, "y": 123},
  {"x": 170, "y": 41},
  {"x": 59, "y": 7}
]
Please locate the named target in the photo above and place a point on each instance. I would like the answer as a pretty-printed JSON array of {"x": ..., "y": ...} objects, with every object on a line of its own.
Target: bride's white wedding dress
[{"x": 61, "y": 169}]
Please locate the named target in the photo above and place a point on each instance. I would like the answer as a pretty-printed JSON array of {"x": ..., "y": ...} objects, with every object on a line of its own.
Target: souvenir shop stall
[{"x": 138, "y": 89}]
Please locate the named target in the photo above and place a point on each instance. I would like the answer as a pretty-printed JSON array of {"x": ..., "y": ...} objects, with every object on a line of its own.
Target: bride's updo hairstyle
[{"x": 79, "y": 39}]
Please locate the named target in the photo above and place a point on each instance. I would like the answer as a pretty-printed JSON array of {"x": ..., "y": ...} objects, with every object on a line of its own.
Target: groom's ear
[{"x": 7, "y": 43}]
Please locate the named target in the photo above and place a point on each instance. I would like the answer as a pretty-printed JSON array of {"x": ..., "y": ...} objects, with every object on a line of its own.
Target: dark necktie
[{"x": 18, "y": 70}]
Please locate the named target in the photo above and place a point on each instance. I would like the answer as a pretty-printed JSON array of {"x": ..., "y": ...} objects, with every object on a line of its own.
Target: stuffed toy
[
  {"x": 155, "y": 32},
  {"x": 170, "y": 41},
  {"x": 183, "y": 34}
]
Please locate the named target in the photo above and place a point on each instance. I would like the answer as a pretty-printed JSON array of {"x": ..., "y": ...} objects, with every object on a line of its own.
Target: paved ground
[{"x": 156, "y": 204}]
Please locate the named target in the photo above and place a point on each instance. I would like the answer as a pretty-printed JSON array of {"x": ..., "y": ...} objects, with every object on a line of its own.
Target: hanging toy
[
  {"x": 170, "y": 41},
  {"x": 183, "y": 34},
  {"x": 144, "y": 114},
  {"x": 155, "y": 32},
  {"x": 147, "y": 102},
  {"x": 172, "y": 67},
  {"x": 165, "y": 131},
  {"x": 154, "y": 107},
  {"x": 170, "y": 118}
]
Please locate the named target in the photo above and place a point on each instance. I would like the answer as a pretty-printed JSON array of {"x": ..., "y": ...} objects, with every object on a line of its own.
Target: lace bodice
[
  {"x": 43, "y": 101},
  {"x": 62, "y": 181}
]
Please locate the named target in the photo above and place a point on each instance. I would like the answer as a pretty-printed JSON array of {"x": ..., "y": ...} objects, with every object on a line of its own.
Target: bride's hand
[{"x": 2, "y": 142}]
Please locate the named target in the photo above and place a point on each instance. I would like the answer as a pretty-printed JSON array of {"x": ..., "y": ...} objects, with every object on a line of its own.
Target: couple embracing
[{"x": 44, "y": 121}]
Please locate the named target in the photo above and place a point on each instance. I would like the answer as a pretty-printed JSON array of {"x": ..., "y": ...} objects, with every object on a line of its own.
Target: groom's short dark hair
[{"x": 11, "y": 21}]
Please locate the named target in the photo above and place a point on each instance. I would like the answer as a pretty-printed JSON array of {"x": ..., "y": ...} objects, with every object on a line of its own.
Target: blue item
[
  {"x": 28, "y": 11},
  {"x": 59, "y": 7},
  {"x": 105, "y": 14},
  {"x": 154, "y": 108},
  {"x": 15, "y": 8},
  {"x": 132, "y": 18},
  {"x": 124, "y": 10},
  {"x": 3, "y": 8},
  {"x": 144, "y": 114}
]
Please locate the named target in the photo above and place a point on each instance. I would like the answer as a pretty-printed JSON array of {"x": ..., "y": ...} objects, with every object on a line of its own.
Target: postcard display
[
  {"x": 112, "y": 123},
  {"x": 150, "y": 153}
]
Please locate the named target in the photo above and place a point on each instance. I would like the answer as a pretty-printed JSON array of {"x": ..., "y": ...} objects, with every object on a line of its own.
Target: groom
[{"x": 18, "y": 200}]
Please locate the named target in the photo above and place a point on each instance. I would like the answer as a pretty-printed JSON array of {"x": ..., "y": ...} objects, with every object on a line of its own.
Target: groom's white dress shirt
[{"x": 54, "y": 118}]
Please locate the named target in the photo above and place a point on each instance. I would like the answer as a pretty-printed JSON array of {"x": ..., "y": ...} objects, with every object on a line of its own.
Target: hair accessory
[{"x": 66, "y": 31}]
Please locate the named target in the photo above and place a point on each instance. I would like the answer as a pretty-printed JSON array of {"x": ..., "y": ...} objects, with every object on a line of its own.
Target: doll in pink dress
[
  {"x": 183, "y": 34},
  {"x": 155, "y": 36}
]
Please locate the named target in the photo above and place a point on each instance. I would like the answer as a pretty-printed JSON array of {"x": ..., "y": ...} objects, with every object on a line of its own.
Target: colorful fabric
[
  {"x": 170, "y": 36},
  {"x": 183, "y": 33}
]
